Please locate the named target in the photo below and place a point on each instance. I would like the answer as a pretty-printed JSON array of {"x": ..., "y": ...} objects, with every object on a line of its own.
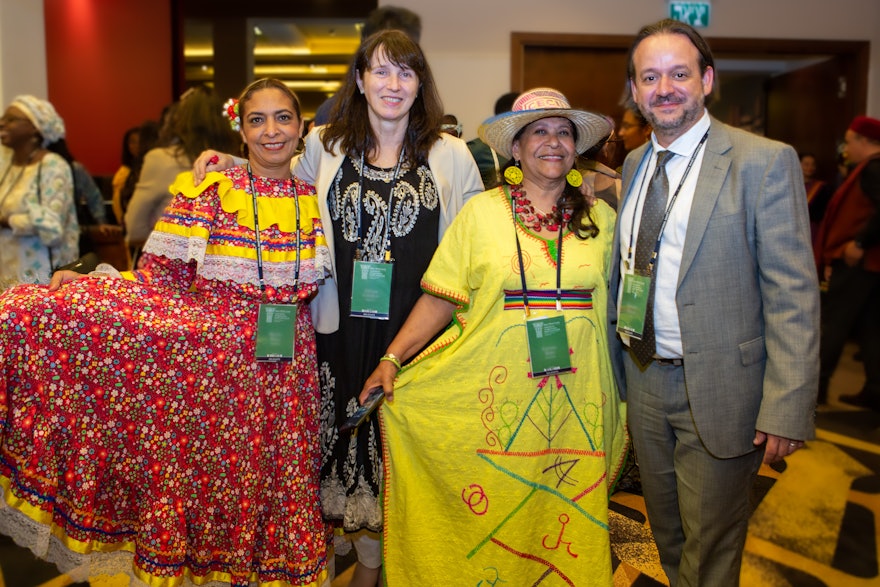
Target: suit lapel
[{"x": 713, "y": 172}]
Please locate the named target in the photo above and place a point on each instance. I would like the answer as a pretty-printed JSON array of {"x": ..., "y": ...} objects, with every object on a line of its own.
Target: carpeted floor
[{"x": 815, "y": 522}]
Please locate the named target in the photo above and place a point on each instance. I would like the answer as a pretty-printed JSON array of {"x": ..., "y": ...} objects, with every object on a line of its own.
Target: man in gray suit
[{"x": 717, "y": 344}]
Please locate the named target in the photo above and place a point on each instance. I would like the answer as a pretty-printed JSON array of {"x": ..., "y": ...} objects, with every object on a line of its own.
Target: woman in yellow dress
[{"x": 505, "y": 435}]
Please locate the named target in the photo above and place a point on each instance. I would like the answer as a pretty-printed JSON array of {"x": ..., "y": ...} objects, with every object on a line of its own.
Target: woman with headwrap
[{"x": 38, "y": 226}]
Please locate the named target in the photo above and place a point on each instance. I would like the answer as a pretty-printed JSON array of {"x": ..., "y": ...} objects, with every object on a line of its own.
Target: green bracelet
[{"x": 391, "y": 358}]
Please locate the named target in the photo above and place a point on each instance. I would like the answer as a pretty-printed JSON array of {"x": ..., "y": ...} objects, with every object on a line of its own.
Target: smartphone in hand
[{"x": 374, "y": 398}]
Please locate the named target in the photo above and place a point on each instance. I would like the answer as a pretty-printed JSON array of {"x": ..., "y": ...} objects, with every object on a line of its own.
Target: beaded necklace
[{"x": 533, "y": 218}]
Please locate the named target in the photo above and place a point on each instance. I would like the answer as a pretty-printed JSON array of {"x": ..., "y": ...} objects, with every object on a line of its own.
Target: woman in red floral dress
[{"x": 138, "y": 432}]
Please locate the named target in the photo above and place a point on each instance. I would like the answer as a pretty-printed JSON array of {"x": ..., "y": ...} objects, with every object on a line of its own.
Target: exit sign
[{"x": 695, "y": 14}]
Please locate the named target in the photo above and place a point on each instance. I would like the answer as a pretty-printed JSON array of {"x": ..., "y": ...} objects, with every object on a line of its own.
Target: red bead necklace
[{"x": 533, "y": 218}]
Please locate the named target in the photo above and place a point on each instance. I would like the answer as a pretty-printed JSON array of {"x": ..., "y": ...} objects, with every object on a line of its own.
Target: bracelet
[{"x": 391, "y": 358}]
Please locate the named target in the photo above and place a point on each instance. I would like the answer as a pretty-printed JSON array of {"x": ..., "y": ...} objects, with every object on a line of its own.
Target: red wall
[{"x": 109, "y": 67}]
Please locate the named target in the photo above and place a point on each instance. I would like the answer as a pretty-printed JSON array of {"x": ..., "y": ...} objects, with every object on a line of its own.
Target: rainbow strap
[{"x": 545, "y": 299}]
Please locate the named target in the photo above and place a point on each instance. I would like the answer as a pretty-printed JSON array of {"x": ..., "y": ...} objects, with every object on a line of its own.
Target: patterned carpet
[
  {"x": 814, "y": 524},
  {"x": 816, "y": 517}
]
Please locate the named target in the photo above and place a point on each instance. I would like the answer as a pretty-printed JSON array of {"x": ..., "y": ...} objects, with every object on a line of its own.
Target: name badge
[
  {"x": 633, "y": 305},
  {"x": 548, "y": 345},
  {"x": 276, "y": 332},
  {"x": 371, "y": 290}
]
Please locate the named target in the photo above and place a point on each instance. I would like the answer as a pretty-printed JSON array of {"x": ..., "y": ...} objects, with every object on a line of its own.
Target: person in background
[
  {"x": 148, "y": 138},
  {"x": 450, "y": 125},
  {"x": 383, "y": 18},
  {"x": 38, "y": 226},
  {"x": 499, "y": 446},
  {"x": 635, "y": 130},
  {"x": 389, "y": 183},
  {"x": 602, "y": 181},
  {"x": 717, "y": 309},
  {"x": 196, "y": 124},
  {"x": 130, "y": 150},
  {"x": 487, "y": 159},
  {"x": 165, "y": 436},
  {"x": 819, "y": 192},
  {"x": 91, "y": 211},
  {"x": 848, "y": 259}
]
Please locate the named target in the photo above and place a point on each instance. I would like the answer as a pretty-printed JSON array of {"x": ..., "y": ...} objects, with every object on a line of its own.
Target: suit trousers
[{"x": 697, "y": 504}]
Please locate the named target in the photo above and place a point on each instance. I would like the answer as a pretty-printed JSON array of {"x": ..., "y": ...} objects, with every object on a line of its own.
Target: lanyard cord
[
  {"x": 629, "y": 251},
  {"x": 257, "y": 235},
  {"x": 522, "y": 271},
  {"x": 359, "y": 252}
]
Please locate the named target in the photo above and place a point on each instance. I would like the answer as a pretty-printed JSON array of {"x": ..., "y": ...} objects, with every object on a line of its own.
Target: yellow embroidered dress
[
  {"x": 493, "y": 476},
  {"x": 139, "y": 434}
]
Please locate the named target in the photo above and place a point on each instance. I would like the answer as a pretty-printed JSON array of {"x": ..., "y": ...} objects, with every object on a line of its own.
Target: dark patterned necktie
[{"x": 649, "y": 229}]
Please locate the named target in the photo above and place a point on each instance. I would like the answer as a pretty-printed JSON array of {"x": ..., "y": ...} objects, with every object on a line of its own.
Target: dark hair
[
  {"x": 149, "y": 138},
  {"x": 668, "y": 26},
  {"x": 127, "y": 156},
  {"x": 198, "y": 124},
  {"x": 349, "y": 124},
  {"x": 593, "y": 151},
  {"x": 571, "y": 199},
  {"x": 640, "y": 118},
  {"x": 393, "y": 18},
  {"x": 505, "y": 102},
  {"x": 60, "y": 147},
  {"x": 265, "y": 83}
]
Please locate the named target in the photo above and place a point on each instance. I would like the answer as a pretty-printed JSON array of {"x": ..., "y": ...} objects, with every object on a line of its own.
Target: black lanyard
[
  {"x": 629, "y": 251},
  {"x": 257, "y": 233},
  {"x": 359, "y": 252},
  {"x": 522, "y": 272}
]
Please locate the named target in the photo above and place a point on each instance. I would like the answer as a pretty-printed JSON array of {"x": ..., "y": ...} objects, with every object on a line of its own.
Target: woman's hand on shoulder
[
  {"x": 210, "y": 161},
  {"x": 383, "y": 375},
  {"x": 59, "y": 278}
]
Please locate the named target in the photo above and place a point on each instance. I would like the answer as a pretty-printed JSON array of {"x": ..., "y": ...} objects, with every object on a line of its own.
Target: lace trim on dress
[
  {"x": 238, "y": 270},
  {"x": 38, "y": 538},
  {"x": 358, "y": 511}
]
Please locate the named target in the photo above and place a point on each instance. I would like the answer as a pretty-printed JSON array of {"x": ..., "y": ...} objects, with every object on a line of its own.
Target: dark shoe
[{"x": 862, "y": 400}]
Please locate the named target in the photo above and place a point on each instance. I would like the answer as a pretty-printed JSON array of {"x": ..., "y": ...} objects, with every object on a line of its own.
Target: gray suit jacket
[{"x": 747, "y": 298}]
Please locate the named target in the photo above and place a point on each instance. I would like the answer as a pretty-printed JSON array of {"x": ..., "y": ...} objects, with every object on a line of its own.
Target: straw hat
[{"x": 498, "y": 131}]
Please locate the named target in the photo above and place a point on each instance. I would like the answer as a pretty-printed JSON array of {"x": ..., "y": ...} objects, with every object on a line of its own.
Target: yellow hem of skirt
[{"x": 85, "y": 548}]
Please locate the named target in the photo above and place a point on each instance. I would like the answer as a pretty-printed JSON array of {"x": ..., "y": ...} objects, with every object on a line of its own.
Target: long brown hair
[
  {"x": 198, "y": 124},
  {"x": 349, "y": 124}
]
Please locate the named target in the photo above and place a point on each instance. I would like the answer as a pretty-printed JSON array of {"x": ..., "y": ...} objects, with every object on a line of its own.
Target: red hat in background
[{"x": 866, "y": 126}]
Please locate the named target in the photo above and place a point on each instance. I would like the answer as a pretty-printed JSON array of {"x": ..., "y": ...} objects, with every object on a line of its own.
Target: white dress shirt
[{"x": 668, "y": 263}]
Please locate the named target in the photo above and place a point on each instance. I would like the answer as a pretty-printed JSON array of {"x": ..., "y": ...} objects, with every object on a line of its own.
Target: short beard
[{"x": 681, "y": 123}]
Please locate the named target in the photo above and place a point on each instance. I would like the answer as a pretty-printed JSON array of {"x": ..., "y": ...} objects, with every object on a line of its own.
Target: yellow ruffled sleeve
[{"x": 278, "y": 211}]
